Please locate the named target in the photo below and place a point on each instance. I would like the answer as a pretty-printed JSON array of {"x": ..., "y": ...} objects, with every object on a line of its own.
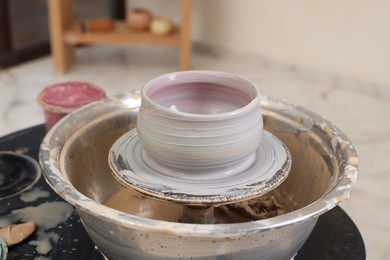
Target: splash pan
[{"x": 74, "y": 160}]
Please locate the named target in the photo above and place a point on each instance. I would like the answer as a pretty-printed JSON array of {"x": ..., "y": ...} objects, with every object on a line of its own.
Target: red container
[{"x": 60, "y": 99}]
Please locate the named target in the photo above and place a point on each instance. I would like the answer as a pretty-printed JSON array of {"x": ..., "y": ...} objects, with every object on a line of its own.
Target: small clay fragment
[
  {"x": 257, "y": 209},
  {"x": 16, "y": 233},
  {"x": 21, "y": 150}
]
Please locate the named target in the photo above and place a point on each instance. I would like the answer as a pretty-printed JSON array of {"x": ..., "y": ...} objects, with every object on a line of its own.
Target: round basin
[{"x": 74, "y": 158}]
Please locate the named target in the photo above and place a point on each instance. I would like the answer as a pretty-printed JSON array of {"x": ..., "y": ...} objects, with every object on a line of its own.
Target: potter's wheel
[
  {"x": 264, "y": 170},
  {"x": 74, "y": 158},
  {"x": 200, "y": 141},
  {"x": 343, "y": 240}
]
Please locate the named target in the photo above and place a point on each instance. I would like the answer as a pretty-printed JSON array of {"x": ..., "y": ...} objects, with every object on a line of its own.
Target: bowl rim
[
  {"x": 194, "y": 74},
  {"x": 339, "y": 192}
]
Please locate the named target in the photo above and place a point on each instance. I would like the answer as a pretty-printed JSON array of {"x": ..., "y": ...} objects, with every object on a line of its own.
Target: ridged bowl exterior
[{"x": 205, "y": 141}]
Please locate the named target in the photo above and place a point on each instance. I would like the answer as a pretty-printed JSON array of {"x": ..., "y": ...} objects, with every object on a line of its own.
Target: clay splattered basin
[{"x": 74, "y": 160}]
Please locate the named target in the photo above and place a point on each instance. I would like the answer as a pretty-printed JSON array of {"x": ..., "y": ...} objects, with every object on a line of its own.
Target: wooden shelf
[
  {"x": 121, "y": 34},
  {"x": 65, "y": 34}
]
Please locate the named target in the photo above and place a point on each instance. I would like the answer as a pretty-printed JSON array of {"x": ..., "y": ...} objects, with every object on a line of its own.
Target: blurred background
[
  {"x": 349, "y": 37},
  {"x": 332, "y": 57}
]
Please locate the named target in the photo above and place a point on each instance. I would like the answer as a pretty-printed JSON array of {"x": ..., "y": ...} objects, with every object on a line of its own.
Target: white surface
[{"x": 360, "y": 109}]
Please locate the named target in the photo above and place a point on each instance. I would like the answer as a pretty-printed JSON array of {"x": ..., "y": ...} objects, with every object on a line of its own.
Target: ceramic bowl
[
  {"x": 74, "y": 160},
  {"x": 199, "y": 121},
  {"x": 139, "y": 19}
]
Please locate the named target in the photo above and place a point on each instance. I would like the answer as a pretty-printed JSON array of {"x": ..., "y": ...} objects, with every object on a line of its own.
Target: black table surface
[{"x": 335, "y": 236}]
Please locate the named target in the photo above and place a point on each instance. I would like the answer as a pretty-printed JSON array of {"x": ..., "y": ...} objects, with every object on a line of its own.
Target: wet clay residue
[
  {"x": 267, "y": 206},
  {"x": 131, "y": 202},
  {"x": 250, "y": 210}
]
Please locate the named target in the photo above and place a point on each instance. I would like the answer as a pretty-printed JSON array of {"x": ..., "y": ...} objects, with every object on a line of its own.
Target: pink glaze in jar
[{"x": 62, "y": 98}]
